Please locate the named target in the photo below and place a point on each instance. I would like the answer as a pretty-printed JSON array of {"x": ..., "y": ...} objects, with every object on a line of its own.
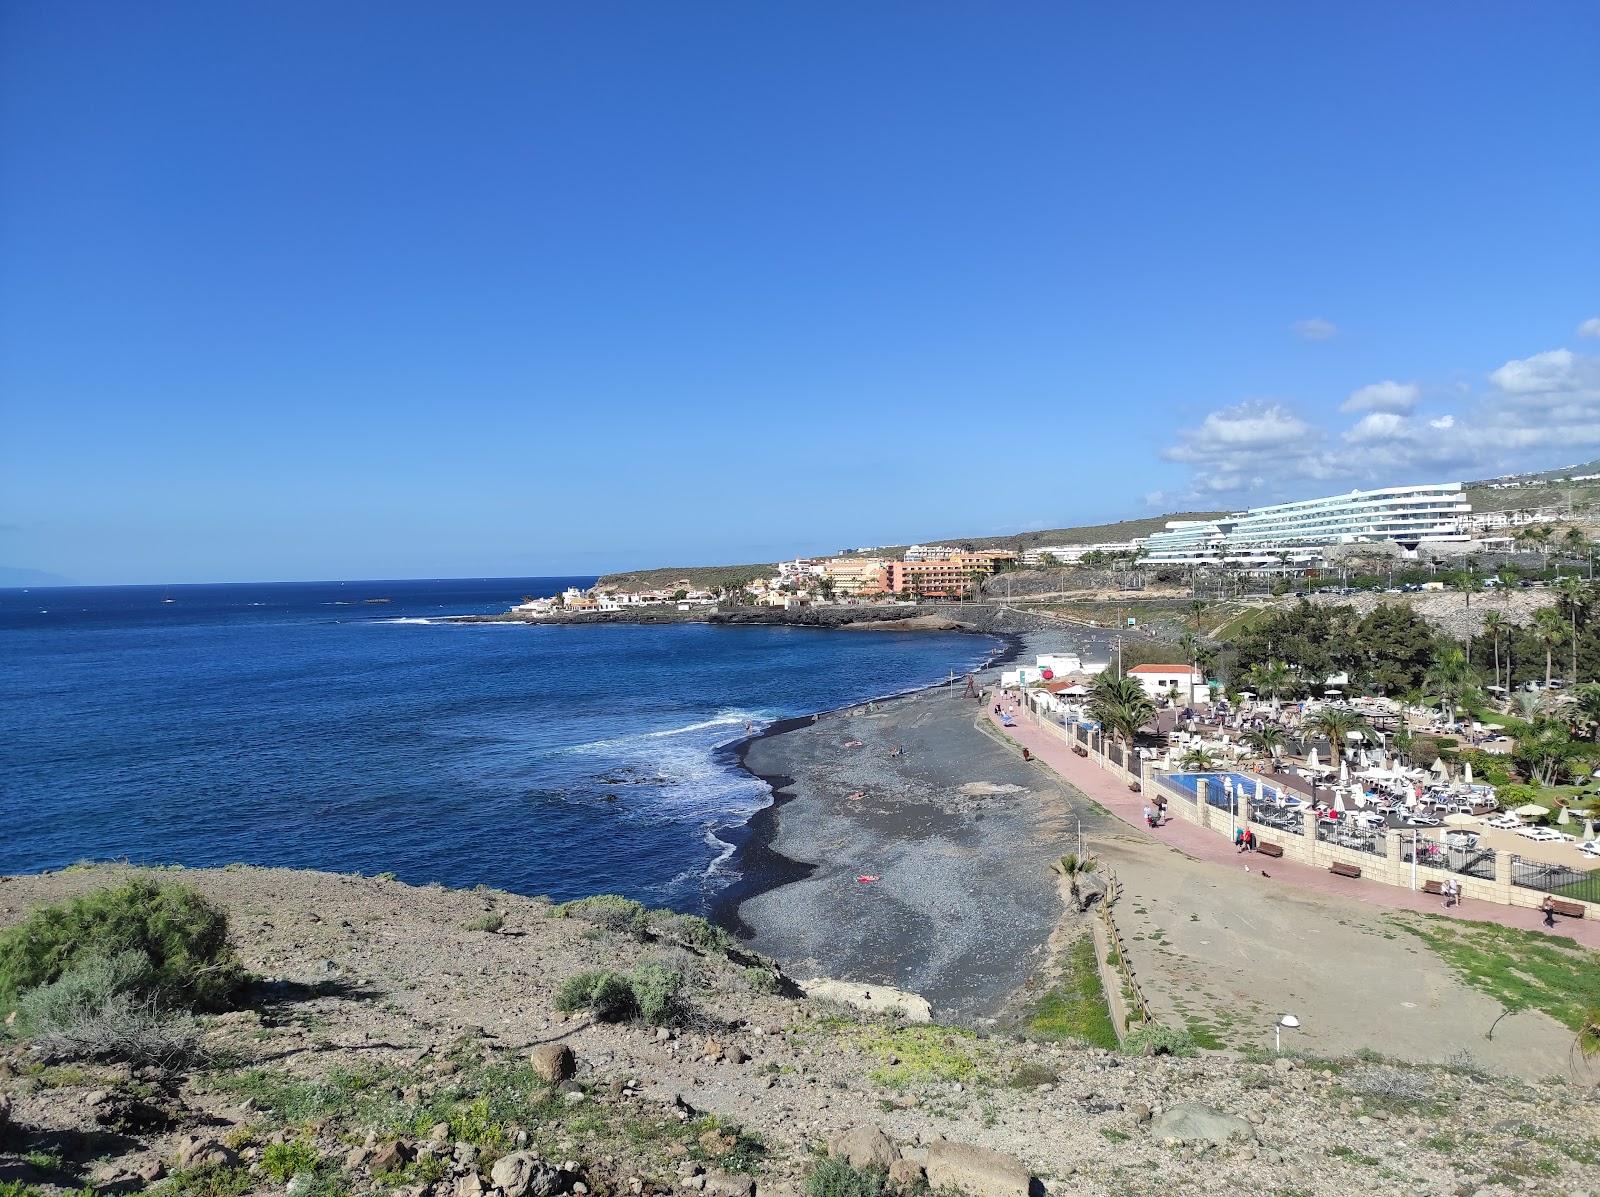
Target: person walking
[{"x": 1549, "y": 908}]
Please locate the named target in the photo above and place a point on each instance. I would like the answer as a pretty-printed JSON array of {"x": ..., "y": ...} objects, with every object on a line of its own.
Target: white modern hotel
[{"x": 1293, "y": 535}]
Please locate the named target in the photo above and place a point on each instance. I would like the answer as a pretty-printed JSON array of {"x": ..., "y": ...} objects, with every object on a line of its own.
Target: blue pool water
[
  {"x": 301, "y": 724},
  {"x": 1215, "y": 795}
]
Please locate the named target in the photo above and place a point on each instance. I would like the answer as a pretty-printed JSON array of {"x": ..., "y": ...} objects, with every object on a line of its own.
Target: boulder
[
  {"x": 523, "y": 1174},
  {"x": 1191, "y": 1122},
  {"x": 469, "y": 1184},
  {"x": 197, "y": 1151},
  {"x": 390, "y": 1157},
  {"x": 863, "y": 1146},
  {"x": 554, "y": 1062},
  {"x": 976, "y": 1170},
  {"x": 729, "y": 1184},
  {"x": 907, "y": 1174}
]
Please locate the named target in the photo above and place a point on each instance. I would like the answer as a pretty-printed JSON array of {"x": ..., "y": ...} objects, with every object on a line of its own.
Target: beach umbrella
[
  {"x": 1313, "y": 761},
  {"x": 1344, "y": 770},
  {"x": 1563, "y": 818},
  {"x": 1529, "y": 811},
  {"x": 1338, "y": 801},
  {"x": 1459, "y": 820},
  {"x": 1258, "y": 792},
  {"x": 1440, "y": 768},
  {"x": 1588, "y": 830},
  {"x": 1466, "y": 773}
]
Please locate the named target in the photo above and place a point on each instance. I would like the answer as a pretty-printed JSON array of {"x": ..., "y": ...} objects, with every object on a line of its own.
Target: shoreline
[{"x": 759, "y": 867}]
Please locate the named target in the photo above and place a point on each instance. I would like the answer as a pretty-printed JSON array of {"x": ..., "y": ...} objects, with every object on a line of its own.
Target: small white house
[{"x": 1166, "y": 681}]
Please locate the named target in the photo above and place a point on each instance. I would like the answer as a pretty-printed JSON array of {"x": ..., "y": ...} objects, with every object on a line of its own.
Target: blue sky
[{"x": 308, "y": 290}]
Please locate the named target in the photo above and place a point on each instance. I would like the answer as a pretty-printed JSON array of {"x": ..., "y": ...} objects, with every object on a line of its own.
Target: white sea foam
[{"x": 403, "y": 619}]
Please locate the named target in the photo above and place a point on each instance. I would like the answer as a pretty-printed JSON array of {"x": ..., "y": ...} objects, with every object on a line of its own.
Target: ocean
[{"x": 302, "y": 724}]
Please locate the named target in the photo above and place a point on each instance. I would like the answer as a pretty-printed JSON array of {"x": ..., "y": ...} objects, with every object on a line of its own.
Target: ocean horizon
[{"x": 343, "y": 726}]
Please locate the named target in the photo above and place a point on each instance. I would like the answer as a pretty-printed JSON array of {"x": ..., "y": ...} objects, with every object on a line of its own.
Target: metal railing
[
  {"x": 1469, "y": 862},
  {"x": 1369, "y": 842},
  {"x": 1563, "y": 881}
]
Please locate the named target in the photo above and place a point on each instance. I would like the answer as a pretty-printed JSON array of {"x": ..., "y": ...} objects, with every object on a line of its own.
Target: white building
[
  {"x": 1184, "y": 682},
  {"x": 1071, "y": 554},
  {"x": 931, "y": 552},
  {"x": 1288, "y": 536}
]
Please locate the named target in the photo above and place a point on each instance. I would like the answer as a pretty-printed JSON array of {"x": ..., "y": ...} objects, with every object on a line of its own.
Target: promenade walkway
[{"x": 1195, "y": 841}]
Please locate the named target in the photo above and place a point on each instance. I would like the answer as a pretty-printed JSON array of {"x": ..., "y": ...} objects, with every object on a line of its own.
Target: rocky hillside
[
  {"x": 444, "y": 1043},
  {"x": 1448, "y": 611}
]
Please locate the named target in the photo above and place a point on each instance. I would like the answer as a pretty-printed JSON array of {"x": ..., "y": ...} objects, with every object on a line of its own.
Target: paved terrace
[{"x": 1197, "y": 842}]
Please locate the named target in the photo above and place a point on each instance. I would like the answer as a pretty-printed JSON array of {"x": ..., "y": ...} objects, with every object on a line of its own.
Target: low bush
[
  {"x": 490, "y": 922},
  {"x": 284, "y": 1161},
  {"x": 691, "y": 931},
  {"x": 97, "y": 1011},
  {"x": 835, "y": 1178},
  {"x": 652, "y": 993},
  {"x": 1153, "y": 1039},
  {"x": 761, "y": 980},
  {"x": 181, "y": 937},
  {"x": 612, "y": 912}
]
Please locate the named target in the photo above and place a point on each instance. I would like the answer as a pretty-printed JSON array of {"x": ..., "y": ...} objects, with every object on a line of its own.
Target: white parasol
[
  {"x": 1529, "y": 811},
  {"x": 1440, "y": 768},
  {"x": 1563, "y": 818},
  {"x": 1466, "y": 772},
  {"x": 1459, "y": 821},
  {"x": 1313, "y": 761},
  {"x": 1338, "y": 801}
]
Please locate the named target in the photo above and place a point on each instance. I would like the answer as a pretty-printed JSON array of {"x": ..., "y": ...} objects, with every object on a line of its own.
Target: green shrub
[
  {"x": 761, "y": 980},
  {"x": 613, "y": 912},
  {"x": 182, "y": 937},
  {"x": 652, "y": 992},
  {"x": 1153, "y": 1039},
  {"x": 490, "y": 922},
  {"x": 656, "y": 990},
  {"x": 96, "y": 1010},
  {"x": 282, "y": 1161},
  {"x": 211, "y": 1180},
  {"x": 607, "y": 995},
  {"x": 835, "y": 1178},
  {"x": 692, "y": 931}
]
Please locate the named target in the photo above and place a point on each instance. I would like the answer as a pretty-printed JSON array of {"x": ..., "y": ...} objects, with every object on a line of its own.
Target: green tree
[
  {"x": 1336, "y": 723},
  {"x": 1545, "y": 750},
  {"x": 1272, "y": 680},
  {"x": 1198, "y": 760},
  {"x": 1586, "y": 707},
  {"x": 1267, "y": 741},
  {"x": 1394, "y": 647},
  {"x": 1450, "y": 678},
  {"x": 1570, "y": 592},
  {"x": 1121, "y": 706},
  {"x": 1551, "y": 633},
  {"x": 1494, "y": 626}
]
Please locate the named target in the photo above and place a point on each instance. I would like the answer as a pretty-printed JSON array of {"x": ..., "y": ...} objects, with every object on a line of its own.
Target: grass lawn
[
  {"x": 1522, "y": 970},
  {"x": 1076, "y": 1008}
]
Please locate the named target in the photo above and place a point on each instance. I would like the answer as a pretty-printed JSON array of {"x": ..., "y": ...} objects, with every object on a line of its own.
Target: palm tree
[
  {"x": 1537, "y": 536},
  {"x": 1586, "y": 705},
  {"x": 1508, "y": 576},
  {"x": 1551, "y": 633},
  {"x": 1337, "y": 723},
  {"x": 1466, "y": 582},
  {"x": 1571, "y": 597},
  {"x": 1198, "y": 760},
  {"x": 1121, "y": 706},
  {"x": 1543, "y": 751},
  {"x": 1450, "y": 677},
  {"x": 1271, "y": 679},
  {"x": 1494, "y": 626},
  {"x": 1268, "y": 741}
]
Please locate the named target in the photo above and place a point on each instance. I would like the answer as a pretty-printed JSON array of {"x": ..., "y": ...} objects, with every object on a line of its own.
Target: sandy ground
[
  {"x": 1229, "y": 952},
  {"x": 959, "y": 831}
]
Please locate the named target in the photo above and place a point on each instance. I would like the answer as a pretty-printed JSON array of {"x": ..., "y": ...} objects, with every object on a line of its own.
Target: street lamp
[{"x": 1288, "y": 1020}]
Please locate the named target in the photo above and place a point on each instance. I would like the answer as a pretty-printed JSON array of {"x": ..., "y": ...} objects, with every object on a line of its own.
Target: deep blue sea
[{"x": 298, "y": 724}]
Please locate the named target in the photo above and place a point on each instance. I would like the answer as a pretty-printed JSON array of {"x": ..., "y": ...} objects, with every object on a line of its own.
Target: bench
[
  {"x": 1079, "y": 750},
  {"x": 1344, "y": 870},
  {"x": 1267, "y": 849},
  {"x": 1433, "y": 887},
  {"x": 1573, "y": 910}
]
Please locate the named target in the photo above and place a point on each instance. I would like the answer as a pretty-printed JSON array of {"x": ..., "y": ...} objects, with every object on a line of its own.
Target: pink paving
[{"x": 1195, "y": 841}]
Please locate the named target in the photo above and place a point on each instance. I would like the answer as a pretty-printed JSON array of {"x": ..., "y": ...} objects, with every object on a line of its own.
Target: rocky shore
[
  {"x": 407, "y": 1040},
  {"x": 867, "y": 618}
]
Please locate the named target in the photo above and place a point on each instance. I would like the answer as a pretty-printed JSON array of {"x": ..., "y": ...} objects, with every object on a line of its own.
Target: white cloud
[
  {"x": 1245, "y": 428},
  {"x": 1387, "y": 395},
  {"x": 1443, "y": 422},
  {"x": 1541, "y": 372},
  {"x": 1316, "y": 329},
  {"x": 1590, "y": 327}
]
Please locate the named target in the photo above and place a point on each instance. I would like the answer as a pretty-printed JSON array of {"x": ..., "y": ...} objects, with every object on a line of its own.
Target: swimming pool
[{"x": 1216, "y": 795}]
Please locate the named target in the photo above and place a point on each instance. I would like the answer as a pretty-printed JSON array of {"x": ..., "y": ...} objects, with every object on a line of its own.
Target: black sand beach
[{"x": 957, "y": 829}]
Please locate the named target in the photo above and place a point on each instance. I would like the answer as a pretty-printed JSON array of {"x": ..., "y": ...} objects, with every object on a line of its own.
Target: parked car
[
  {"x": 1541, "y": 835},
  {"x": 1505, "y": 822}
]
